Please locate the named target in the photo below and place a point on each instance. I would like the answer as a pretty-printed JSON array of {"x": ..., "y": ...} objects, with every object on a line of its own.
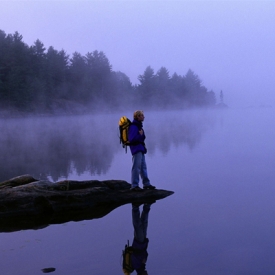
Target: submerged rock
[
  {"x": 48, "y": 269},
  {"x": 29, "y": 203}
]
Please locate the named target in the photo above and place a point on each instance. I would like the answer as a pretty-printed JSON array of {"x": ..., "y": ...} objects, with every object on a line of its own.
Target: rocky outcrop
[{"x": 29, "y": 203}]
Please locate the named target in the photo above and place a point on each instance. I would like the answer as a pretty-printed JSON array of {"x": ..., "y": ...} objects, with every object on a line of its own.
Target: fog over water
[
  {"x": 54, "y": 146},
  {"x": 220, "y": 164}
]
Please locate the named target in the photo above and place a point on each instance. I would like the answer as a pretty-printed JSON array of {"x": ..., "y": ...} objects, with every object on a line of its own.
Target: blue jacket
[
  {"x": 140, "y": 255},
  {"x": 136, "y": 138}
]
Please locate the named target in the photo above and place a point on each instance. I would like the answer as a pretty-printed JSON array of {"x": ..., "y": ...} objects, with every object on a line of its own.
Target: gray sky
[{"x": 228, "y": 44}]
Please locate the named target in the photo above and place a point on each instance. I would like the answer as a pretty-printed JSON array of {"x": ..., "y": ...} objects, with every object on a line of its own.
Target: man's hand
[{"x": 140, "y": 132}]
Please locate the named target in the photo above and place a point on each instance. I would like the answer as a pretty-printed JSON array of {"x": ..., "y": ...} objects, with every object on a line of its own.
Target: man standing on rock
[{"x": 138, "y": 149}]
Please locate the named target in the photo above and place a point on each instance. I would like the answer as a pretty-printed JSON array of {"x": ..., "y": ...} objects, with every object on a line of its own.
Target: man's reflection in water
[{"x": 140, "y": 241}]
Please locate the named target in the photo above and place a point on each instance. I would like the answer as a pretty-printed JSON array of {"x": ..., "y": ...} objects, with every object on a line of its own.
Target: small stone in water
[{"x": 48, "y": 269}]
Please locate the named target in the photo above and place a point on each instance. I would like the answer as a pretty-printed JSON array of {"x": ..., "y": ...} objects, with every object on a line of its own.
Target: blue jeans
[
  {"x": 139, "y": 168},
  {"x": 140, "y": 222}
]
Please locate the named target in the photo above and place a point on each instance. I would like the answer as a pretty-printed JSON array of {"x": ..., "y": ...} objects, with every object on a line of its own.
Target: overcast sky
[{"x": 228, "y": 44}]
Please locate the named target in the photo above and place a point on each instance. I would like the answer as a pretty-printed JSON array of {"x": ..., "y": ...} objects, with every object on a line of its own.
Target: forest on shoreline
[{"x": 34, "y": 79}]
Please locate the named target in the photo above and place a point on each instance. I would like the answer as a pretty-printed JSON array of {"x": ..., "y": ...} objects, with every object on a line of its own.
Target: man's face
[{"x": 141, "y": 117}]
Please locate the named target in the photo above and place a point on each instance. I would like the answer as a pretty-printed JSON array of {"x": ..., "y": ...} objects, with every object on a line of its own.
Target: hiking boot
[
  {"x": 149, "y": 202},
  {"x": 137, "y": 188},
  {"x": 149, "y": 187}
]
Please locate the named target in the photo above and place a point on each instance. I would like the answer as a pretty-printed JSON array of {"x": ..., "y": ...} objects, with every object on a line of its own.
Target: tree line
[{"x": 36, "y": 79}]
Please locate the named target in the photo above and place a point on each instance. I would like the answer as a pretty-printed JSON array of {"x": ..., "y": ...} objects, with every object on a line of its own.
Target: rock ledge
[{"x": 25, "y": 200}]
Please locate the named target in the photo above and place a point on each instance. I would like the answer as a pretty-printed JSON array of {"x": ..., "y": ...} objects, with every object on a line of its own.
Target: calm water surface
[{"x": 219, "y": 221}]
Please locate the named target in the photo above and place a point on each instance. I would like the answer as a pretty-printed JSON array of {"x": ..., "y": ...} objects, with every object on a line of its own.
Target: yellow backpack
[
  {"x": 124, "y": 124},
  {"x": 127, "y": 259}
]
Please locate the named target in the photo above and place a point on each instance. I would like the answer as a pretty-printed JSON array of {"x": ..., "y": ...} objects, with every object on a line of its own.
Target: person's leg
[
  {"x": 136, "y": 159},
  {"x": 144, "y": 218},
  {"x": 138, "y": 227},
  {"x": 143, "y": 172}
]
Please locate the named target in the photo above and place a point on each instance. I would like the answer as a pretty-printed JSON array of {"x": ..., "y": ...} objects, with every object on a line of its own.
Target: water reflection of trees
[
  {"x": 56, "y": 146},
  {"x": 178, "y": 128}
]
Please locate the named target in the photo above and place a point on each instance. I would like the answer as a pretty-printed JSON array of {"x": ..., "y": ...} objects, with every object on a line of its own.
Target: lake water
[{"x": 220, "y": 220}]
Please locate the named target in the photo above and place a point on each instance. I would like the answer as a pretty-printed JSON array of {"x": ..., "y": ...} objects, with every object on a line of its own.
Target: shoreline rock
[{"x": 29, "y": 203}]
